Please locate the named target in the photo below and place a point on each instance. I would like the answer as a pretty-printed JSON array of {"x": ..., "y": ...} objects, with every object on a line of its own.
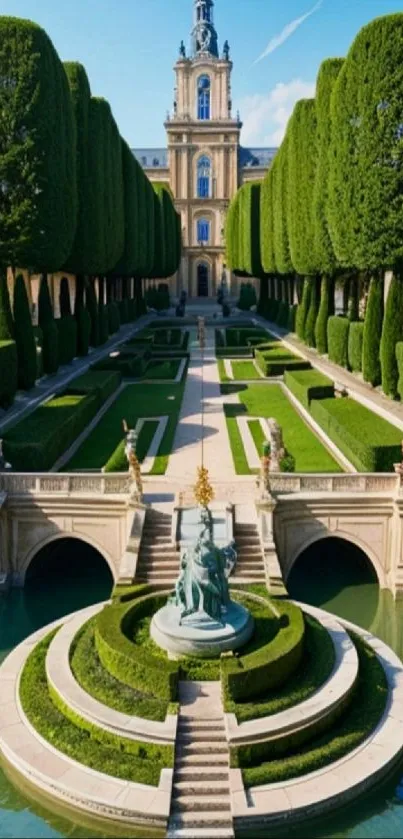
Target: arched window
[
  {"x": 202, "y": 279},
  {"x": 203, "y": 97},
  {"x": 203, "y": 177},
  {"x": 203, "y": 230}
]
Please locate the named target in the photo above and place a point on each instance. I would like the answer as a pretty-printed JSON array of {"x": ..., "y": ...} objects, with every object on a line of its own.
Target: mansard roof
[
  {"x": 152, "y": 158},
  {"x": 157, "y": 158}
]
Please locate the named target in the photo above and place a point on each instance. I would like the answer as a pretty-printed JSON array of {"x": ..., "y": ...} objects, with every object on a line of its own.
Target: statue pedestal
[{"x": 198, "y": 635}]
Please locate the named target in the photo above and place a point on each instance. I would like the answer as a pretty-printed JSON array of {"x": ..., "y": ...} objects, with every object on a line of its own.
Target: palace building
[{"x": 204, "y": 162}]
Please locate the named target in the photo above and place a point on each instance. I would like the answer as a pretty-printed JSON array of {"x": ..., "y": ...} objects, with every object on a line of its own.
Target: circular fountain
[{"x": 201, "y": 619}]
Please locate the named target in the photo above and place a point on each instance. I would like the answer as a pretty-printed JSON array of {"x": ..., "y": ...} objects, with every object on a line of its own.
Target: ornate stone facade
[{"x": 204, "y": 162}]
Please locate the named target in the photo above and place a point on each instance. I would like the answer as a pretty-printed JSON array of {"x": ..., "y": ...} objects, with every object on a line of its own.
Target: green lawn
[
  {"x": 244, "y": 370},
  {"x": 270, "y": 401},
  {"x": 135, "y": 401}
]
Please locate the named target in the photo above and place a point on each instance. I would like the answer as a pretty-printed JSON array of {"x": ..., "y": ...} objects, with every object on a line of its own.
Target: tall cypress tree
[
  {"x": 392, "y": 333},
  {"x": 65, "y": 302},
  {"x": 38, "y": 210},
  {"x": 24, "y": 336}
]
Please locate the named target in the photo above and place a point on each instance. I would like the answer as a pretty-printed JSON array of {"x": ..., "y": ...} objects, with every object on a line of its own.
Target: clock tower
[{"x": 203, "y": 154}]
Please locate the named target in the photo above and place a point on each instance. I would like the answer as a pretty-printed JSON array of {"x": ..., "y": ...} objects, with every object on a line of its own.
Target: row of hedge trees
[
  {"x": 330, "y": 209},
  {"x": 74, "y": 199}
]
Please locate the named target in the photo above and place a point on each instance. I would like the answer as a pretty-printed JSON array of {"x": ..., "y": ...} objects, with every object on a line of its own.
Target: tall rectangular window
[{"x": 203, "y": 230}]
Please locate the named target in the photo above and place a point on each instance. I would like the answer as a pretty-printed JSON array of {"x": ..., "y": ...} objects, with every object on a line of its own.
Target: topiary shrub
[
  {"x": 303, "y": 308},
  {"x": 312, "y": 314},
  {"x": 103, "y": 320},
  {"x": 38, "y": 335},
  {"x": 371, "y": 365},
  {"x": 283, "y": 314},
  {"x": 93, "y": 309},
  {"x": 113, "y": 318},
  {"x": 392, "y": 333},
  {"x": 50, "y": 345},
  {"x": 24, "y": 337},
  {"x": 326, "y": 310},
  {"x": 83, "y": 331},
  {"x": 337, "y": 339},
  {"x": 292, "y": 314},
  {"x": 6, "y": 318},
  {"x": 355, "y": 339},
  {"x": 399, "y": 360},
  {"x": 307, "y": 385},
  {"x": 67, "y": 337},
  {"x": 123, "y": 307},
  {"x": 8, "y": 373}
]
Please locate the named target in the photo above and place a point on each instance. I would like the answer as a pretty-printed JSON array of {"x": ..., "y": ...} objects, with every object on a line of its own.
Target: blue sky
[{"x": 129, "y": 47}]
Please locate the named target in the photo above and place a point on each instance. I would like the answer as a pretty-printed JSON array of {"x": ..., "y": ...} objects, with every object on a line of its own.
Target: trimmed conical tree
[
  {"x": 326, "y": 310},
  {"x": 65, "y": 302},
  {"x": 50, "y": 346},
  {"x": 6, "y": 318},
  {"x": 371, "y": 365},
  {"x": 24, "y": 336},
  {"x": 310, "y": 323},
  {"x": 392, "y": 332}
]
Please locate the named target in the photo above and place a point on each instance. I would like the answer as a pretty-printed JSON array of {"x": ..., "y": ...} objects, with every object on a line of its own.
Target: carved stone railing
[
  {"x": 17, "y": 483},
  {"x": 343, "y": 483}
]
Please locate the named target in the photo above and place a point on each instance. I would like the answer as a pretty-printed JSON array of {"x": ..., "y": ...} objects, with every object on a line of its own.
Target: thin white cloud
[
  {"x": 265, "y": 116},
  {"x": 286, "y": 33}
]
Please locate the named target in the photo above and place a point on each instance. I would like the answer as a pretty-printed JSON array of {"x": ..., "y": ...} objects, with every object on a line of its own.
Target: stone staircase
[
  {"x": 158, "y": 562},
  {"x": 250, "y": 565},
  {"x": 201, "y": 804}
]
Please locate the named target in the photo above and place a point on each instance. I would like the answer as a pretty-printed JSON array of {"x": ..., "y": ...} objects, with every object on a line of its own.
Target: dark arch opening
[
  {"x": 336, "y": 575},
  {"x": 202, "y": 280},
  {"x": 66, "y": 575}
]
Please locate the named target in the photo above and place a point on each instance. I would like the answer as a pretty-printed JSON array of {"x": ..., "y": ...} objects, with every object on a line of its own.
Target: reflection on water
[{"x": 332, "y": 576}]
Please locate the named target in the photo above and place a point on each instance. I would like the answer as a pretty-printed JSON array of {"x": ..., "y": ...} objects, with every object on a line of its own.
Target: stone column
[{"x": 265, "y": 510}]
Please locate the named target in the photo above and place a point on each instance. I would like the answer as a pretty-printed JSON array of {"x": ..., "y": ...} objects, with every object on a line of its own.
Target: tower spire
[{"x": 204, "y": 35}]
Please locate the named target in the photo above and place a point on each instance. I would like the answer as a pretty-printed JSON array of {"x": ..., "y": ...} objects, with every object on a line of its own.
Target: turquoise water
[{"x": 330, "y": 580}]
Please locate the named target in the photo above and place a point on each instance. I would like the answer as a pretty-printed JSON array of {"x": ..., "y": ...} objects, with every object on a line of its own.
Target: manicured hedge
[
  {"x": 35, "y": 443},
  {"x": 8, "y": 373},
  {"x": 337, "y": 337},
  {"x": 82, "y": 741},
  {"x": 392, "y": 333},
  {"x": 129, "y": 365},
  {"x": 307, "y": 385},
  {"x": 273, "y": 363},
  {"x": 67, "y": 338},
  {"x": 101, "y": 382},
  {"x": 371, "y": 443},
  {"x": 353, "y": 728},
  {"x": 272, "y": 663},
  {"x": 355, "y": 339},
  {"x": 127, "y": 661}
]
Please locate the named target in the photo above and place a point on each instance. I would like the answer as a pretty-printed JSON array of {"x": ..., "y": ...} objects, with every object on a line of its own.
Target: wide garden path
[
  {"x": 202, "y": 390},
  {"x": 373, "y": 398}
]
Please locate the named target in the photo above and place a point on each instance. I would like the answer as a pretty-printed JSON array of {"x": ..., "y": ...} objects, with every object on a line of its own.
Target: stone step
[
  {"x": 208, "y": 818},
  {"x": 157, "y": 583},
  {"x": 247, "y": 579},
  {"x": 158, "y": 564},
  {"x": 185, "y": 758},
  {"x": 249, "y": 572},
  {"x": 188, "y": 735},
  {"x": 200, "y": 725},
  {"x": 200, "y": 833},
  {"x": 250, "y": 563},
  {"x": 206, "y": 747},
  {"x": 201, "y": 774},
  {"x": 154, "y": 550},
  {"x": 201, "y": 788},
  {"x": 194, "y": 803},
  {"x": 246, "y": 539},
  {"x": 155, "y": 535}
]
